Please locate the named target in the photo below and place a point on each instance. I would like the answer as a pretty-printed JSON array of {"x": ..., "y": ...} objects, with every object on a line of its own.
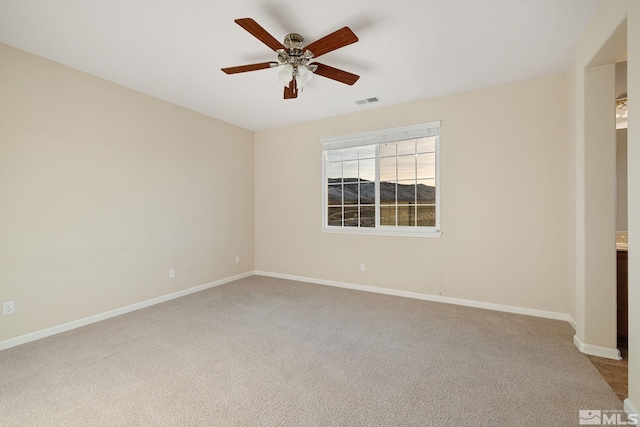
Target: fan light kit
[
  {"x": 295, "y": 63},
  {"x": 295, "y": 59}
]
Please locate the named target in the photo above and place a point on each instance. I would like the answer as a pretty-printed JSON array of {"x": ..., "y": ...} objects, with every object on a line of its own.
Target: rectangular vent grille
[{"x": 368, "y": 100}]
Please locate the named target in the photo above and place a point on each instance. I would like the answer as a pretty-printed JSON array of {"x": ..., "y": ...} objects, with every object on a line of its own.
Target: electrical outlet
[
  {"x": 362, "y": 266},
  {"x": 237, "y": 259},
  {"x": 172, "y": 273},
  {"x": 7, "y": 307}
]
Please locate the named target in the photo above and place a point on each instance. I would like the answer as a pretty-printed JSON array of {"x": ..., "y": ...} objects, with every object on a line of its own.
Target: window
[{"x": 383, "y": 182}]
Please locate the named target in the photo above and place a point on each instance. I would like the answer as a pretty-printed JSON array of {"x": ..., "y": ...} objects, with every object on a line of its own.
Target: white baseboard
[
  {"x": 435, "y": 298},
  {"x": 596, "y": 350},
  {"x": 23, "y": 339},
  {"x": 629, "y": 407},
  {"x": 585, "y": 348}
]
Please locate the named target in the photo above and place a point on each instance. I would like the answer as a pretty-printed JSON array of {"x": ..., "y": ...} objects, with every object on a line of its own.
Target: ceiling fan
[{"x": 295, "y": 58}]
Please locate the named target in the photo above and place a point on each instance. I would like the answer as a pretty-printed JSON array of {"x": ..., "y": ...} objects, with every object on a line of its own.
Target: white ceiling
[{"x": 408, "y": 49}]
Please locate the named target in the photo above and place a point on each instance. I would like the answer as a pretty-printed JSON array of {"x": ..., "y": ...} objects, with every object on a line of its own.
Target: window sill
[{"x": 374, "y": 232}]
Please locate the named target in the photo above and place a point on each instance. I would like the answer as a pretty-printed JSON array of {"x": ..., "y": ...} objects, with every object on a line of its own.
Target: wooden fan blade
[
  {"x": 260, "y": 33},
  {"x": 343, "y": 37},
  {"x": 291, "y": 91},
  {"x": 249, "y": 67},
  {"x": 336, "y": 74}
]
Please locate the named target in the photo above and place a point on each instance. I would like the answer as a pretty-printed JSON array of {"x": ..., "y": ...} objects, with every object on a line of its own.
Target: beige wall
[
  {"x": 615, "y": 30},
  {"x": 504, "y": 200},
  {"x": 600, "y": 208},
  {"x": 104, "y": 189}
]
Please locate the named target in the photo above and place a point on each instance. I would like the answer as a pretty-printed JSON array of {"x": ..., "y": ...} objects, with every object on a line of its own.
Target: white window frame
[{"x": 422, "y": 130}]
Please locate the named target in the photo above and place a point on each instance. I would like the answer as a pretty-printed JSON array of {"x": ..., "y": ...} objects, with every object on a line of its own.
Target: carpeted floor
[{"x": 271, "y": 352}]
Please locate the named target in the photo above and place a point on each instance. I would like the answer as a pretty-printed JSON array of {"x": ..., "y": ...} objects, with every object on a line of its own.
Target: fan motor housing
[{"x": 293, "y": 42}]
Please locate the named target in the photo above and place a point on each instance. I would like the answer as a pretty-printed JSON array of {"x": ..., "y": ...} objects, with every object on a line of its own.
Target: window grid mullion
[
  {"x": 415, "y": 184},
  {"x": 377, "y": 185},
  {"x": 396, "y": 184},
  {"x": 358, "y": 192},
  {"x": 342, "y": 192}
]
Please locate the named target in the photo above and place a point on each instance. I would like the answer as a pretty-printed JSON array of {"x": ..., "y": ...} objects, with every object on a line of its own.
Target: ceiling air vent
[{"x": 368, "y": 100}]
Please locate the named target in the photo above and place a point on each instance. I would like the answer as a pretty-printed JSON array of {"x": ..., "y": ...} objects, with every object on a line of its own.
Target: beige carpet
[{"x": 271, "y": 352}]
